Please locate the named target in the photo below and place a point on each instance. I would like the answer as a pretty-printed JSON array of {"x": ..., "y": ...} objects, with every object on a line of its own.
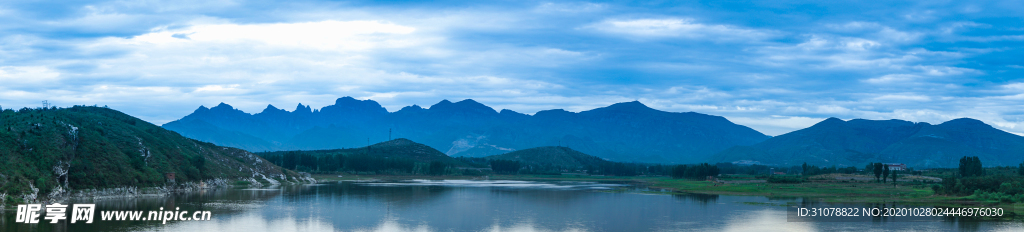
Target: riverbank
[
  {"x": 350, "y": 177},
  {"x": 824, "y": 189},
  {"x": 7, "y": 203}
]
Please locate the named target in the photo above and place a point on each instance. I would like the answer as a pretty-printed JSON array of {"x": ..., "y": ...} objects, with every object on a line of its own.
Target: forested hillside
[{"x": 51, "y": 151}]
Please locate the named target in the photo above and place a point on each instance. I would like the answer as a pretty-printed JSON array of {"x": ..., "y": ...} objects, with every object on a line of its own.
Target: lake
[{"x": 475, "y": 205}]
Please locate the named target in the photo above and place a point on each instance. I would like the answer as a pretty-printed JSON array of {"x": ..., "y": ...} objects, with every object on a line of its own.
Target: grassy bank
[{"x": 819, "y": 189}]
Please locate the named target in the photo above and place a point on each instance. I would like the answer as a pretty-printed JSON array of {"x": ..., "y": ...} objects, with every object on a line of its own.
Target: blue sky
[{"x": 775, "y": 66}]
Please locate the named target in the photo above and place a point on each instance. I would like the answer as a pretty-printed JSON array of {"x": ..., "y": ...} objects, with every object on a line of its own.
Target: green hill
[
  {"x": 398, "y": 156},
  {"x": 397, "y": 148},
  {"x": 54, "y": 150},
  {"x": 553, "y": 156}
]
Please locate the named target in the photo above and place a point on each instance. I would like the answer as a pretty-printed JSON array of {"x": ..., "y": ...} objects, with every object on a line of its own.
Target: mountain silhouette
[
  {"x": 629, "y": 131},
  {"x": 857, "y": 142}
]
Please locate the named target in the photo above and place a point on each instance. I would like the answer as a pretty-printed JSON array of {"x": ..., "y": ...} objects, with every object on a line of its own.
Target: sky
[{"x": 775, "y": 66}]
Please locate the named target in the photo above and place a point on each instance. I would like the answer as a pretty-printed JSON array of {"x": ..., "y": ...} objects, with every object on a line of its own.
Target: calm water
[{"x": 462, "y": 205}]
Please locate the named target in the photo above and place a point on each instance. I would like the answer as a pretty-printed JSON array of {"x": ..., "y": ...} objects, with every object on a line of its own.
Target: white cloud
[
  {"x": 322, "y": 35},
  {"x": 15, "y": 77},
  {"x": 524, "y": 57},
  {"x": 892, "y": 78},
  {"x": 676, "y": 27},
  {"x": 553, "y": 7},
  {"x": 902, "y": 97},
  {"x": 1013, "y": 86},
  {"x": 944, "y": 70}
]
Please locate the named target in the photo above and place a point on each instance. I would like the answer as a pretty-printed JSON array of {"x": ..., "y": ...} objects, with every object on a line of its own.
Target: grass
[{"x": 838, "y": 191}]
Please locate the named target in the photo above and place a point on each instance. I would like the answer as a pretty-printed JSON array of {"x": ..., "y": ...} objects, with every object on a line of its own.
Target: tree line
[
  {"x": 505, "y": 166},
  {"x": 359, "y": 163},
  {"x": 699, "y": 171},
  {"x": 971, "y": 178},
  {"x": 810, "y": 170}
]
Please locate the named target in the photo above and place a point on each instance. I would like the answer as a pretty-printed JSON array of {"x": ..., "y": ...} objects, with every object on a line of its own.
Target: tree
[
  {"x": 505, "y": 166},
  {"x": 1020, "y": 169},
  {"x": 805, "y": 169},
  {"x": 199, "y": 161},
  {"x": 893, "y": 175},
  {"x": 699, "y": 172},
  {"x": 437, "y": 168},
  {"x": 885, "y": 173},
  {"x": 878, "y": 171},
  {"x": 970, "y": 166}
]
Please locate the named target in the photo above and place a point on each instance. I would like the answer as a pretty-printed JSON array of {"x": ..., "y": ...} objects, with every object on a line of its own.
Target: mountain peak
[
  {"x": 830, "y": 120},
  {"x": 222, "y": 106},
  {"x": 632, "y": 107},
  {"x": 442, "y": 103},
  {"x": 344, "y": 100},
  {"x": 629, "y": 105},
  {"x": 555, "y": 113},
  {"x": 271, "y": 108},
  {"x": 349, "y": 106},
  {"x": 464, "y": 105},
  {"x": 201, "y": 109},
  {"x": 412, "y": 107},
  {"x": 302, "y": 109},
  {"x": 468, "y": 101},
  {"x": 350, "y": 101},
  {"x": 396, "y": 142},
  {"x": 509, "y": 112},
  {"x": 966, "y": 122}
]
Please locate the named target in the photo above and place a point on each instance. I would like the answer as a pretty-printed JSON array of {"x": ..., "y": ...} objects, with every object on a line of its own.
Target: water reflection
[
  {"x": 254, "y": 222},
  {"x": 422, "y": 205},
  {"x": 703, "y": 199}
]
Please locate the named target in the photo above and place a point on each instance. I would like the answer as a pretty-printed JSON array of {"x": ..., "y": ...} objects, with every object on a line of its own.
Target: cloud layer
[{"x": 774, "y": 66}]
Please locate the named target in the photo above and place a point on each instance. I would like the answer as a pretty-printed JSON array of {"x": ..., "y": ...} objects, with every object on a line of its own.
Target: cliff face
[
  {"x": 627, "y": 131},
  {"x": 51, "y": 151}
]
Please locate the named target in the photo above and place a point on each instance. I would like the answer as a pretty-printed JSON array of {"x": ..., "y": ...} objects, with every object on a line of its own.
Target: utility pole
[{"x": 46, "y": 104}]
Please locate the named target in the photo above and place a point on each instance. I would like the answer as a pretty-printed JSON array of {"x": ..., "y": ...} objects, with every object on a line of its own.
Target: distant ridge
[
  {"x": 552, "y": 156},
  {"x": 858, "y": 141},
  {"x": 629, "y": 131},
  {"x": 396, "y": 148}
]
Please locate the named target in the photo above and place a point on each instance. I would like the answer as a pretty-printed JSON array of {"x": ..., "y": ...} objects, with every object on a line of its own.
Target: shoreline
[
  {"x": 127, "y": 192},
  {"x": 819, "y": 190}
]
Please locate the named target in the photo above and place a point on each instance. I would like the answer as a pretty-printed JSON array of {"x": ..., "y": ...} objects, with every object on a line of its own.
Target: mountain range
[
  {"x": 628, "y": 132},
  {"x": 623, "y": 132},
  {"x": 858, "y": 141}
]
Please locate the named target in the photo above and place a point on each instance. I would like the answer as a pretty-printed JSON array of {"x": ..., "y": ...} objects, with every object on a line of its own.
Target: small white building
[{"x": 896, "y": 166}]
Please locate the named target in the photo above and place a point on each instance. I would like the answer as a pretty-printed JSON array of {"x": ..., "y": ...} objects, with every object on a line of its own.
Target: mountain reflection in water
[{"x": 470, "y": 205}]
